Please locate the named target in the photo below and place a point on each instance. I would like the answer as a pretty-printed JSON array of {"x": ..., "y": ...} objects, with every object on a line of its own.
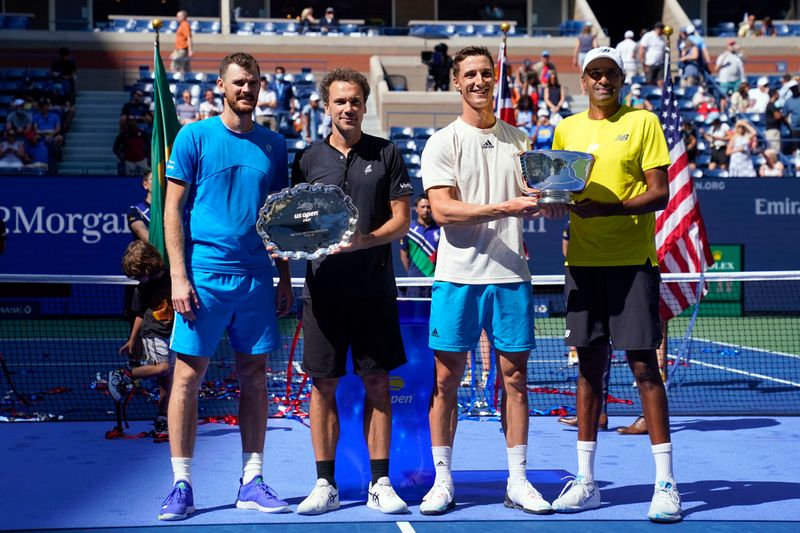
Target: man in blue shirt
[
  {"x": 791, "y": 109},
  {"x": 284, "y": 94},
  {"x": 418, "y": 247},
  {"x": 220, "y": 171}
]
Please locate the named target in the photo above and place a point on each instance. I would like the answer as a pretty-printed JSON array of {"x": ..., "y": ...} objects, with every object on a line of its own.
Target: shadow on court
[
  {"x": 727, "y": 424},
  {"x": 712, "y": 494},
  {"x": 484, "y": 487}
]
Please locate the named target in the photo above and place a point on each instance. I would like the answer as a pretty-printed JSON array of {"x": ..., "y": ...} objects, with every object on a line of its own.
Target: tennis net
[{"x": 740, "y": 354}]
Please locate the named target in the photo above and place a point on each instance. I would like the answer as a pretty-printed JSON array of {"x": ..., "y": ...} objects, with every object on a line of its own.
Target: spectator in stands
[
  {"x": 586, "y": 41},
  {"x": 528, "y": 79},
  {"x": 772, "y": 166},
  {"x": 704, "y": 59},
  {"x": 740, "y": 100},
  {"x": 730, "y": 68},
  {"x": 64, "y": 70},
  {"x": 136, "y": 111},
  {"x": 717, "y": 135},
  {"x": 132, "y": 148},
  {"x": 329, "y": 22},
  {"x": 12, "y": 151},
  {"x": 740, "y": 150},
  {"x": 307, "y": 21},
  {"x": 542, "y": 136},
  {"x": 210, "y": 106},
  {"x": 265, "y": 109},
  {"x": 759, "y": 96},
  {"x": 37, "y": 154},
  {"x": 139, "y": 214},
  {"x": 492, "y": 11},
  {"x": 773, "y": 121},
  {"x": 284, "y": 95},
  {"x": 768, "y": 29},
  {"x": 48, "y": 125},
  {"x": 635, "y": 99},
  {"x": 543, "y": 68},
  {"x": 748, "y": 27},
  {"x": 708, "y": 106},
  {"x": 187, "y": 111},
  {"x": 791, "y": 110},
  {"x": 183, "y": 44},
  {"x": 651, "y": 54},
  {"x": 312, "y": 119},
  {"x": 690, "y": 59},
  {"x": 554, "y": 97},
  {"x": 18, "y": 118},
  {"x": 785, "y": 90},
  {"x": 440, "y": 67},
  {"x": 524, "y": 113},
  {"x": 418, "y": 247},
  {"x": 690, "y": 142},
  {"x": 629, "y": 50}
]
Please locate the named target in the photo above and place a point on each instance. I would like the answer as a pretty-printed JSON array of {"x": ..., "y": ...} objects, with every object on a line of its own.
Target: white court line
[
  {"x": 406, "y": 527},
  {"x": 737, "y": 371},
  {"x": 740, "y": 347}
]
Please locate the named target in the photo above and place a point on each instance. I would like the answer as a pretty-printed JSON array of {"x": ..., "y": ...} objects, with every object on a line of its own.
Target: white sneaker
[
  {"x": 439, "y": 500},
  {"x": 666, "y": 503},
  {"x": 381, "y": 496},
  {"x": 324, "y": 498},
  {"x": 578, "y": 495},
  {"x": 520, "y": 494}
]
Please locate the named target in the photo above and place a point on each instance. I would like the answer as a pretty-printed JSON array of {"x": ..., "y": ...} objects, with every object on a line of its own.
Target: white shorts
[{"x": 156, "y": 352}]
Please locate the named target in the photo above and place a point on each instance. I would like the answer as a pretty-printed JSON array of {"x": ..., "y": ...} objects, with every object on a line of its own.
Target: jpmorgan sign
[
  {"x": 90, "y": 227},
  {"x": 66, "y": 224}
]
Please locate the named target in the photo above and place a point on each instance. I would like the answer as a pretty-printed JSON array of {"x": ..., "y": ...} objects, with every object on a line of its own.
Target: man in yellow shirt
[{"x": 612, "y": 279}]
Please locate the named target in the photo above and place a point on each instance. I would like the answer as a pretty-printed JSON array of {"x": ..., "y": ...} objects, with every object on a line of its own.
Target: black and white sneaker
[{"x": 120, "y": 383}]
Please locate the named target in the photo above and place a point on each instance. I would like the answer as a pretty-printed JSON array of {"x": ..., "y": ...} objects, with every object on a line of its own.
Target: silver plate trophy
[
  {"x": 554, "y": 174},
  {"x": 307, "y": 221}
]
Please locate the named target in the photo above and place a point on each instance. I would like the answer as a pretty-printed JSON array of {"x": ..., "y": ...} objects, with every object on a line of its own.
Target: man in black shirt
[
  {"x": 349, "y": 300},
  {"x": 773, "y": 120}
]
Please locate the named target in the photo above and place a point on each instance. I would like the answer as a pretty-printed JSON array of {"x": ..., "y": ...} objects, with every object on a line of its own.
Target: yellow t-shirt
[{"x": 624, "y": 146}]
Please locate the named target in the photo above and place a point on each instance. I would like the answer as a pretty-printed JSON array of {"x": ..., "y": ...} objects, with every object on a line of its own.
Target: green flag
[{"x": 165, "y": 128}]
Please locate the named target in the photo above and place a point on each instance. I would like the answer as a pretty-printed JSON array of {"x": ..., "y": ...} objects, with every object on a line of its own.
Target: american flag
[
  {"x": 503, "y": 107},
  {"x": 681, "y": 238}
]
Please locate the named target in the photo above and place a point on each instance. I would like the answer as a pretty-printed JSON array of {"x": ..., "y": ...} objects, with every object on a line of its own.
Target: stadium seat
[
  {"x": 702, "y": 160},
  {"x": 423, "y": 133},
  {"x": 487, "y": 30},
  {"x": 726, "y": 29},
  {"x": 397, "y": 82},
  {"x": 295, "y": 145},
  {"x": 245, "y": 28},
  {"x": 399, "y": 132},
  {"x": 14, "y": 74},
  {"x": 405, "y": 145},
  {"x": 715, "y": 173},
  {"x": 415, "y": 173},
  {"x": 17, "y": 22},
  {"x": 411, "y": 160}
]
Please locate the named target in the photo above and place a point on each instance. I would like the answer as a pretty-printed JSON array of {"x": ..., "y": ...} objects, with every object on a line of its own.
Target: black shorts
[
  {"x": 369, "y": 328},
  {"x": 617, "y": 304},
  {"x": 653, "y": 74},
  {"x": 719, "y": 156}
]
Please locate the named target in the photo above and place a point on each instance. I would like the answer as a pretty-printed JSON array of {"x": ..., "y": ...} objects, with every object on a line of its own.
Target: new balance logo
[
  {"x": 487, "y": 144},
  {"x": 435, "y": 333}
]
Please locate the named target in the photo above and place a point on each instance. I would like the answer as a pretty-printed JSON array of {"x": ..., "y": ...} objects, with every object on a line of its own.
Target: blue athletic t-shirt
[{"x": 230, "y": 175}]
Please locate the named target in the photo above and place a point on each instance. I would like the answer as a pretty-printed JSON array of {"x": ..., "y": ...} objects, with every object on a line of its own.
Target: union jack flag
[
  {"x": 503, "y": 106},
  {"x": 681, "y": 239}
]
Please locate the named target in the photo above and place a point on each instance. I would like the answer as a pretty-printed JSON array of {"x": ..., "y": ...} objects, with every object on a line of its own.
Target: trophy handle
[{"x": 519, "y": 176}]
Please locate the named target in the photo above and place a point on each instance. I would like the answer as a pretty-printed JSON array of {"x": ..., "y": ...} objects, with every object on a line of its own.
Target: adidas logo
[
  {"x": 487, "y": 144},
  {"x": 435, "y": 333},
  {"x": 440, "y": 463},
  {"x": 523, "y": 463}
]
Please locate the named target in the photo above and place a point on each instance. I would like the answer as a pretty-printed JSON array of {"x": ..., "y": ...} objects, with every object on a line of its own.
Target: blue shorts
[
  {"x": 459, "y": 312},
  {"x": 244, "y": 305}
]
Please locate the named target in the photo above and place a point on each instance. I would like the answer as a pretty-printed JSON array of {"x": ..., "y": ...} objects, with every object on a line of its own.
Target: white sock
[
  {"x": 662, "y": 453},
  {"x": 181, "y": 469},
  {"x": 442, "y": 456},
  {"x": 586, "y": 451},
  {"x": 517, "y": 462},
  {"x": 252, "y": 464}
]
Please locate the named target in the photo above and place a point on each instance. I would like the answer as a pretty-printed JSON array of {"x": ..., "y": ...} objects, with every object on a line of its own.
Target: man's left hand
[{"x": 553, "y": 211}]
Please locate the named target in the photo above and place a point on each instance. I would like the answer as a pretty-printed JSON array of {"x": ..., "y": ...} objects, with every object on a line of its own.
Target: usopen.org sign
[{"x": 66, "y": 224}]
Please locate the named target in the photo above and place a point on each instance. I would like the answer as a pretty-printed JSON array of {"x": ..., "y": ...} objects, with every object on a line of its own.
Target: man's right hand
[
  {"x": 521, "y": 206},
  {"x": 184, "y": 297}
]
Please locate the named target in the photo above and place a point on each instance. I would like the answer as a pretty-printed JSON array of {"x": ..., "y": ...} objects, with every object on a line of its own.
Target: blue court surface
[{"x": 734, "y": 474}]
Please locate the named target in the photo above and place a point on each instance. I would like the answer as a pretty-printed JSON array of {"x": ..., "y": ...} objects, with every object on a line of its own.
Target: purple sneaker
[
  {"x": 259, "y": 496},
  {"x": 179, "y": 504}
]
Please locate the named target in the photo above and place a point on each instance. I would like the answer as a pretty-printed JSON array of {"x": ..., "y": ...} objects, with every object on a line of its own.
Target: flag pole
[
  {"x": 505, "y": 27},
  {"x": 157, "y": 24},
  {"x": 667, "y": 52}
]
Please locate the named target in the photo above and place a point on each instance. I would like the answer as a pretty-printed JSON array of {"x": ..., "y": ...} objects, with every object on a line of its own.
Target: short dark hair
[
  {"x": 470, "y": 51},
  {"x": 423, "y": 196},
  {"x": 141, "y": 259},
  {"x": 343, "y": 74},
  {"x": 244, "y": 60},
  {"x": 279, "y": 67}
]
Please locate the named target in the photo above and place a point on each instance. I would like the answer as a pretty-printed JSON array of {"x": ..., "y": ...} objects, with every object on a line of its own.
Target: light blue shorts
[
  {"x": 459, "y": 312},
  {"x": 242, "y": 305}
]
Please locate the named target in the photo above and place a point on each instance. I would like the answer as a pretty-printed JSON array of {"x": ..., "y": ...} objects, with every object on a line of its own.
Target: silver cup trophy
[
  {"x": 307, "y": 221},
  {"x": 554, "y": 174}
]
